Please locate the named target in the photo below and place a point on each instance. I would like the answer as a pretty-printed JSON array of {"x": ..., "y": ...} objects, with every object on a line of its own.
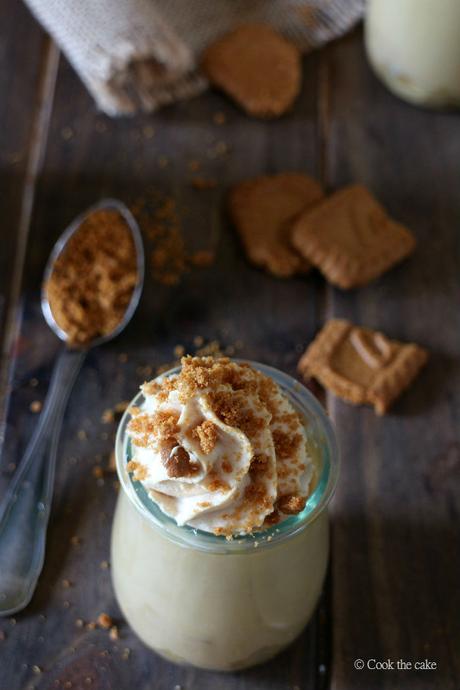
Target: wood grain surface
[{"x": 393, "y": 587}]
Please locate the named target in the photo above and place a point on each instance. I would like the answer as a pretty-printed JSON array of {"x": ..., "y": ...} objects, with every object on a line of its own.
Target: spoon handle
[{"x": 25, "y": 508}]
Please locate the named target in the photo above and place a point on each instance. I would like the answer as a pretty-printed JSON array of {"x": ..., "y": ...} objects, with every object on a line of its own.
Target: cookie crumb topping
[{"x": 220, "y": 447}]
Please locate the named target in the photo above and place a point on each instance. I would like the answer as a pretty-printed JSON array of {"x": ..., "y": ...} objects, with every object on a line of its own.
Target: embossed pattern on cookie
[
  {"x": 263, "y": 210},
  {"x": 361, "y": 365},
  {"x": 350, "y": 238},
  {"x": 257, "y": 67}
]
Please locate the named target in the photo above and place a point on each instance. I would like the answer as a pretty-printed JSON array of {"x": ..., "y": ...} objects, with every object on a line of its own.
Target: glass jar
[
  {"x": 223, "y": 604},
  {"x": 414, "y": 47}
]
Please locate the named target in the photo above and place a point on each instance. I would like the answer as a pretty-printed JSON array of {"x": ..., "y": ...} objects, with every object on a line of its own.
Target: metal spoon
[{"x": 25, "y": 508}]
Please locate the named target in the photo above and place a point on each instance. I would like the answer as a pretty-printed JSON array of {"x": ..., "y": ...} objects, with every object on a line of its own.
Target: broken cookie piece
[
  {"x": 257, "y": 67},
  {"x": 360, "y": 365},
  {"x": 350, "y": 238},
  {"x": 177, "y": 461},
  {"x": 263, "y": 210}
]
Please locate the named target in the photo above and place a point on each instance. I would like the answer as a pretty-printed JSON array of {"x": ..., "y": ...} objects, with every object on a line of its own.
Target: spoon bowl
[{"x": 59, "y": 248}]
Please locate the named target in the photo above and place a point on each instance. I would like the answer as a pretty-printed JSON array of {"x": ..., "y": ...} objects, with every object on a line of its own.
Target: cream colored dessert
[
  {"x": 220, "y": 448},
  {"x": 224, "y": 573},
  {"x": 216, "y": 611},
  {"x": 414, "y": 46}
]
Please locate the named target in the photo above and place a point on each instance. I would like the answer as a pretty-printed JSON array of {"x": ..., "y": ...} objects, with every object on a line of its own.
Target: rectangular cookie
[
  {"x": 350, "y": 238},
  {"x": 263, "y": 210},
  {"x": 361, "y": 365}
]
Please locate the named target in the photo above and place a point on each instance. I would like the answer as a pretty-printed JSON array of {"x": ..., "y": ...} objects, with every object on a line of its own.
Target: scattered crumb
[
  {"x": 91, "y": 625},
  {"x": 204, "y": 183},
  {"x": 104, "y": 621},
  {"x": 159, "y": 220},
  {"x": 107, "y": 417},
  {"x": 112, "y": 466},
  {"x": 36, "y": 669},
  {"x": 82, "y": 435},
  {"x": 75, "y": 541},
  {"x": 219, "y": 150},
  {"x": 104, "y": 565},
  {"x": 145, "y": 371},
  {"x": 126, "y": 653},
  {"x": 33, "y": 382},
  {"x": 148, "y": 131},
  {"x": 36, "y": 406},
  {"x": 98, "y": 472},
  {"x": 121, "y": 406},
  {"x": 219, "y": 118},
  {"x": 202, "y": 259},
  {"x": 79, "y": 623},
  {"x": 198, "y": 340},
  {"x": 114, "y": 633},
  {"x": 179, "y": 351},
  {"x": 67, "y": 584}
]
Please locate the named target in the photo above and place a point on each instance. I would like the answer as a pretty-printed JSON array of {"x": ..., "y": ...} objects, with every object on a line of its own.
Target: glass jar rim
[{"x": 188, "y": 536}]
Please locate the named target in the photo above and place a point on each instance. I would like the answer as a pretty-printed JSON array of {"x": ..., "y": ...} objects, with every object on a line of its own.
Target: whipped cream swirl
[{"x": 219, "y": 447}]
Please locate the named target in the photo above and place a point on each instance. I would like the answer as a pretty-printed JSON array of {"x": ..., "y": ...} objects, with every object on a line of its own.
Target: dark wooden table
[{"x": 393, "y": 590}]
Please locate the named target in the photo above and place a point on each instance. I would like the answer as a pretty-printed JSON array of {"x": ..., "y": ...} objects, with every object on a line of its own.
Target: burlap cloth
[{"x": 140, "y": 54}]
